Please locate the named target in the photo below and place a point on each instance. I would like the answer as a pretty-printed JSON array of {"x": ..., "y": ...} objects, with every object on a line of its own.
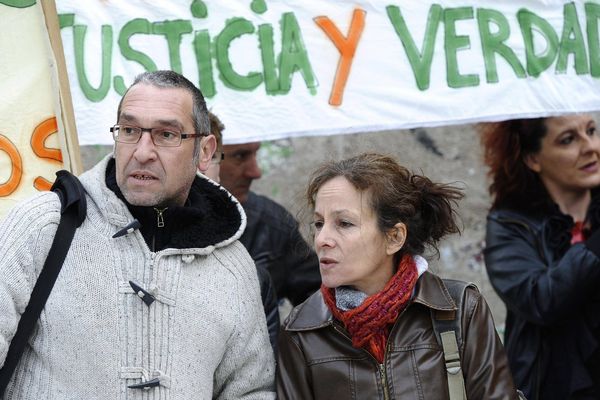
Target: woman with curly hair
[
  {"x": 371, "y": 332},
  {"x": 543, "y": 250}
]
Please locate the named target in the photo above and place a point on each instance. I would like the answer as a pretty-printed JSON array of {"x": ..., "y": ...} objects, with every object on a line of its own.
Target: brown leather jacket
[{"x": 317, "y": 360}]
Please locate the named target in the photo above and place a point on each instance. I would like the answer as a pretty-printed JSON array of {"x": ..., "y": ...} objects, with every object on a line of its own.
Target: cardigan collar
[{"x": 211, "y": 218}]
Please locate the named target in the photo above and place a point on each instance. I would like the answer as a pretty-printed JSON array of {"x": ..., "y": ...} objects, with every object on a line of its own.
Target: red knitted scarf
[{"x": 369, "y": 324}]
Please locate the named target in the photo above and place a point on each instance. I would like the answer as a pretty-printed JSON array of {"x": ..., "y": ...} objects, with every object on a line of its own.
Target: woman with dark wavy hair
[
  {"x": 543, "y": 250},
  {"x": 383, "y": 326}
]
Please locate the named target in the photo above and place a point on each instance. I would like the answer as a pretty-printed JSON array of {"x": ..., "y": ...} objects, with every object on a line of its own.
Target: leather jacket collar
[{"x": 314, "y": 314}]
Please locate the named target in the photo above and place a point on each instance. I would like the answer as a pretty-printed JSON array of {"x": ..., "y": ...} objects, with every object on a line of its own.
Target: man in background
[{"x": 271, "y": 237}]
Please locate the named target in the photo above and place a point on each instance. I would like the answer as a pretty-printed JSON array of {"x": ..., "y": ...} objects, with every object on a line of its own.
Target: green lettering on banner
[
  {"x": 173, "y": 31},
  {"x": 234, "y": 28},
  {"x": 18, "y": 3},
  {"x": 572, "y": 42},
  {"x": 66, "y": 20},
  {"x": 294, "y": 56},
  {"x": 258, "y": 6},
  {"x": 198, "y": 9},
  {"x": 492, "y": 44},
  {"x": 133, "y": 27},
  {"x": 91, "y": 93},
  {"x": 453, "y": 43},
  {"x": 420, "y": 61},
  {"x": 202, "y": 49},
  {"x": 528, "y": 21},
  {"x": 267, "y": 52},
  {"x": 592, "y": 13}
]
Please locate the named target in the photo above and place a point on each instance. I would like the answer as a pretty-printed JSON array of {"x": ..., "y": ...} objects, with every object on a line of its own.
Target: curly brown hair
[
  {"x": 505, "y": 145},
  {"x": 427, "y": 209}
]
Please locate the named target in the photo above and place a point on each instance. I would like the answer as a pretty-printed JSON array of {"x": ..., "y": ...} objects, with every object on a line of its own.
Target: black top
[
  {"x": 274, "y": 242},
  {"x": 552, "y": 293}
]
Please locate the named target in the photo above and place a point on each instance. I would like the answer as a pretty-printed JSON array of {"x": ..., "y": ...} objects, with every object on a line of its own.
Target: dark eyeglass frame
[{"x": 154, "y": 132}]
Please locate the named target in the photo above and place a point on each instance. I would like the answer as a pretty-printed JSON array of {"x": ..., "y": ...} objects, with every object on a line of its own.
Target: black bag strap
[{"x": 73, "y": 211}]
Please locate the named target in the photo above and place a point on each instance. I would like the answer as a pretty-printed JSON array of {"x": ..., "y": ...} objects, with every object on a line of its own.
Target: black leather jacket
[
  {"x": 274, "y": 242},
  {"x": 551, "y": 290}
]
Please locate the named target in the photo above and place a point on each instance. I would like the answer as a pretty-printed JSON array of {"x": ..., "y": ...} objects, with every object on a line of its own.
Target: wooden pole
[{"x": 66, "y": 102}]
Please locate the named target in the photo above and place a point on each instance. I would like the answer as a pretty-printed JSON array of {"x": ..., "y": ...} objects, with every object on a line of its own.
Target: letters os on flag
[{"x": 33, "y": 145}]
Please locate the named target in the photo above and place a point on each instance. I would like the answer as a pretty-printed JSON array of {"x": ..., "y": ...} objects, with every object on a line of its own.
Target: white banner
[
  {"x": 33, "y": 145},
  {"x": 275, "y": 69}
]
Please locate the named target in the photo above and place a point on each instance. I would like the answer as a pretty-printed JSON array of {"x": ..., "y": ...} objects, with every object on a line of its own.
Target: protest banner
[
  {"x": 37, "y": 126},
  {"x": 276, "y": 69}
]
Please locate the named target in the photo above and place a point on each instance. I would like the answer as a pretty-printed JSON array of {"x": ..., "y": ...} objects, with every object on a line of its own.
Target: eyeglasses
[{"x": 163, "y": 137}]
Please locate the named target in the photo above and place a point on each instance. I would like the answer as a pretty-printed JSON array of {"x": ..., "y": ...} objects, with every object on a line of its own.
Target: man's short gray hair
[{"x": 171, "y": 79}]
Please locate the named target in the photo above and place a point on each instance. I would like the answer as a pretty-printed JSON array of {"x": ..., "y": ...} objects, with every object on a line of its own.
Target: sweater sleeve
[
  {"x": 247, "y": 370},
  {"x": 540, "y": 293},
  {"x": 26, "y": 234}
]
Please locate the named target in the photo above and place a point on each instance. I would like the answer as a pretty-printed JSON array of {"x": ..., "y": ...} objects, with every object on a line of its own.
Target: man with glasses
[
  {"x": 271, "y": 237},
  {"x": 157, "y": 298}
]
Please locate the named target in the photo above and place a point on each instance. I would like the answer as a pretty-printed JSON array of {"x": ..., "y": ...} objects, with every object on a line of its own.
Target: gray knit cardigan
[{"x": 203, "y": 337}]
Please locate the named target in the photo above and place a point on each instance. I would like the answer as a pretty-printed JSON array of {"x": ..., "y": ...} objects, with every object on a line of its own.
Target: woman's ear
[
  {"x": 395, "y": 238},
  {"x": 531, "y": 160}
]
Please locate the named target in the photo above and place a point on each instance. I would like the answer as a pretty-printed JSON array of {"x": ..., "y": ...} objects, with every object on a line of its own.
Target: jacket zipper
[
  {"x": 148, "y": 338},
  {"x": 381, "y": 367},
  {"x": 160, "y": 222},
  {"x": 386, "y": 394},
  {"x": 386, "y": 389}
]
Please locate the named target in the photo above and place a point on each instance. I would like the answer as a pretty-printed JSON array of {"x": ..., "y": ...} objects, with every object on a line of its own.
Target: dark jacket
[
  {"x": 551, "y": 291},
  {"x": 274, "y": 242},
  {"x": 317, "y": 360},
  {"x": 269, "y": 300}
]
